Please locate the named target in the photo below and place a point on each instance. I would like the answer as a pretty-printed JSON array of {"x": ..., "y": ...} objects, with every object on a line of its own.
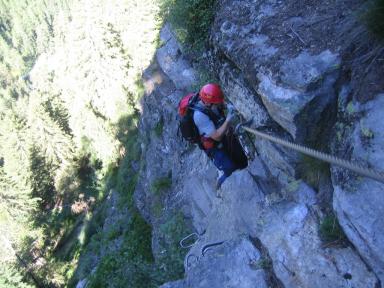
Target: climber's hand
[
  {"x": 230, "y": 112},
  {"x": 230, "y": 107}
]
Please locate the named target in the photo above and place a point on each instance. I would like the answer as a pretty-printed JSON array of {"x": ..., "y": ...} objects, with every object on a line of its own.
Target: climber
[{"x": 217, "y": 138}]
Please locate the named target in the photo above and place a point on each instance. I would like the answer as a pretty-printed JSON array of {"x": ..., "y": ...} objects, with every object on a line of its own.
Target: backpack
[{"x": 187, "y": 126}]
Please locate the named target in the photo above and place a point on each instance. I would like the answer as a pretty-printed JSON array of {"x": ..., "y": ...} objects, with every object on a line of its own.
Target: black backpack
[{"x": 187, "y": 127}]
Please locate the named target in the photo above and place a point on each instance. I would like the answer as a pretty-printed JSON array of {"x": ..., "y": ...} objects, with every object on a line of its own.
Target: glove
[{"x": 230, "y": 112}]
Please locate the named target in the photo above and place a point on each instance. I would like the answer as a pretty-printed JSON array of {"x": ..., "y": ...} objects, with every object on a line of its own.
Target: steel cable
[{"x": 321, "y": 156}]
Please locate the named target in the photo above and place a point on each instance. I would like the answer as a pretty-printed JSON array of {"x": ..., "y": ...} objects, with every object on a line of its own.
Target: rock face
[
  {"x": 294, "y": 90},
  {"x": 359, "y": 202},
  {"x": 209, "y": 267},
  {"x": 173, "y": 64},
  {"x": 306, "y": 89},
  {"x": 298, "y": 257},
  {"x": 288, "y": 73}
]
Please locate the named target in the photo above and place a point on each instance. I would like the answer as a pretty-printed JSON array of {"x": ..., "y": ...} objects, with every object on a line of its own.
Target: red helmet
[{"x": 211, "y": 93}]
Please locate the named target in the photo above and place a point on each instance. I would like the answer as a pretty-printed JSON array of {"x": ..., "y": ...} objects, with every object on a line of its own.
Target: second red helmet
[{"x": 211, "y": 93}]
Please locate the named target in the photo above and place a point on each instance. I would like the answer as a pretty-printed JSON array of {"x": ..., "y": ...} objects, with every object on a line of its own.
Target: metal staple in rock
[
  {"x": 204, "y": 249},
  {"x": 321, "y": 156},
  {"x": 182, "y": 245}
]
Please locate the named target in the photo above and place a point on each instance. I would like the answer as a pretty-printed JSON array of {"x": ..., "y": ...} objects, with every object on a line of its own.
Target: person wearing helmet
[{"x": 213, "y": 128}]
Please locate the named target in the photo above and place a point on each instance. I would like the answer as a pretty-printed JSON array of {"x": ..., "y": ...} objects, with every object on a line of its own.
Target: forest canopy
[{"x": 70, "y": 84}]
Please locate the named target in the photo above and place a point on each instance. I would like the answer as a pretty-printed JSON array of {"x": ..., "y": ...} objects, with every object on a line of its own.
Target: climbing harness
[{"x": 317, "y": 154}]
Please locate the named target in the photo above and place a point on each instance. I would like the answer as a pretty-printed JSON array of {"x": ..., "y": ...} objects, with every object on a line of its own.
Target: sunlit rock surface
[{"x": 172, "y": 62}]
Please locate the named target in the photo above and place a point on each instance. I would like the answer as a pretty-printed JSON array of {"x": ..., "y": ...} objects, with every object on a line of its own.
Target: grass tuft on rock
[
  {"x": 161, "y": 184},
  {"x": 159, "y": 127},
  {"x": 312, "y": 170},
  {"x": 171, "y": 263},
  {"x": 330, "y": 230}
]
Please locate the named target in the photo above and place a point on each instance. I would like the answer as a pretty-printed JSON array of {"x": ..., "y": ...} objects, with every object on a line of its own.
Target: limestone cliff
[{"x": 288, "y": 65}]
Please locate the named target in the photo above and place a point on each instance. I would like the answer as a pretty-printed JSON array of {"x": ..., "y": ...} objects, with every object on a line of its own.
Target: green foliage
[
  {"x": 95, "y": 225},
  {"x": 293, "y": 185},
  {"x": 262, "y": 263},
  {"x": 11, "y": 278},
  {"x": 161, "y": 184},
  {"x": 54, "y": 142},
  {"x": 59, "y": 272},
  {"x": 373, "y": 17},
  {"x": 124, "y": 178},
  {"x": 116, "y": 271},
  {"x": 127, "y": 134},
  {"x": 366, "y": 133},
  {"x": 190, "y": 19},
  {"x": 14, "y": 148},
  {"x": 84, "y": 169},
  {"x": 330, "y": 229},
  {"x": 159, "y": 127},
  {"x": 132, "y": 264},
  {"x": 171, "y": 263},
  {"x": 158, "y": 187},
  {"x": 312, "y": 170},
  {"x": 205, "y": 76},
  {"x": 14, "y": 204},
  {"x": 41, "y": 179},
  {"x": 133, "y": 96},
  {"x": 157, "y": 208},
  {"x": 59, "y": 140},
  {"x": 26, "y": 28},
  {"x": 351, "y": 108},
  {"x": 57, "y": 111},
  {"x": 138, "y": 238},
  {"x": 113, "y": 234}
]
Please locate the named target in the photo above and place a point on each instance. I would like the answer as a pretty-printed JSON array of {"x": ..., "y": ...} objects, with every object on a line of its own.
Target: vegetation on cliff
[{"x": 191, "y": 20}]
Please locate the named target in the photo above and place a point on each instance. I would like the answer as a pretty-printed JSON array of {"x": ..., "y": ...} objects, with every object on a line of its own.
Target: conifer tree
[
  {"x": 41, "y": 179},
  {"x": 47, "y": 134},
  {"x": 11, "y": 278}
]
